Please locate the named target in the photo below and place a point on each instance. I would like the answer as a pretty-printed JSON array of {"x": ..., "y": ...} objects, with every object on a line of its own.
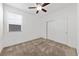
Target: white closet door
[{"x": 57, "y": 30}]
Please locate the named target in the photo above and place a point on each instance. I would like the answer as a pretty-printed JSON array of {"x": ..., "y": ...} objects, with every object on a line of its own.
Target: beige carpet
[{"x": 39, "y": 47}]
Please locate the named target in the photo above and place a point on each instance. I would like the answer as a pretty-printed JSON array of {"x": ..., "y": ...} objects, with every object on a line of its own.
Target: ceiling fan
[{"x": 39, "y": 6}]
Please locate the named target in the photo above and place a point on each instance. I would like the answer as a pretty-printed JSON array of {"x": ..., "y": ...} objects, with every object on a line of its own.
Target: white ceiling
[{"x": 51, "y": 8}]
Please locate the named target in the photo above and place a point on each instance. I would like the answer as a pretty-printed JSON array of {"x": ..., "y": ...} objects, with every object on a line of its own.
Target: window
[{"x": 14, "y": 21}]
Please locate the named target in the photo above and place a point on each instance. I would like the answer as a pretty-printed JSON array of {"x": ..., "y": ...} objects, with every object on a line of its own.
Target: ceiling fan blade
[
  {"x": 38, "y": 3},
  {"x": 31, "y": 7},
  {"x": 45, "y": 4},
  {"x": 44, "y": 10},
  {"x": 37, "y": 12}
]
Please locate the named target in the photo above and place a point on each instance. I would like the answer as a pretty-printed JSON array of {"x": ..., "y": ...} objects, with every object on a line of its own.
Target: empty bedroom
[{"x": 39, "y": 29}]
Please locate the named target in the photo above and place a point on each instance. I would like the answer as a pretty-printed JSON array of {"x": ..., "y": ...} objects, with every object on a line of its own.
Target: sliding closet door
[{"x": 57, "y": 30}]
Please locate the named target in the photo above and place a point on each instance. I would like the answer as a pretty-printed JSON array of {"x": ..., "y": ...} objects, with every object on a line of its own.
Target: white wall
[
  {"x": 31, "y": 27},
  {"x": 65, "y": 21},
  {"x": 78, "y": 28},
  {"x": 1, "y": 24}
]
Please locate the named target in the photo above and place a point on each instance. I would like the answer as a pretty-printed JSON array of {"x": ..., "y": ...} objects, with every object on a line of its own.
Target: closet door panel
[{"x": 57, "y": 31}]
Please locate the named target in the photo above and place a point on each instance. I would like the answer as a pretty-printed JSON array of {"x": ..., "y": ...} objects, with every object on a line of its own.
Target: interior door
[{"x": 57, "y": 31}]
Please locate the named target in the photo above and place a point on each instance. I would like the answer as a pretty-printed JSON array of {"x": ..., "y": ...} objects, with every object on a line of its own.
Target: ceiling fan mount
[{"x": 39, "y": 7}]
